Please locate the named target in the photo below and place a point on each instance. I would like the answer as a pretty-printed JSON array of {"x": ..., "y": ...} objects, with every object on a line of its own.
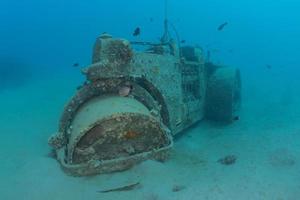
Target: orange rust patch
[{"x": 130, "y": 135}]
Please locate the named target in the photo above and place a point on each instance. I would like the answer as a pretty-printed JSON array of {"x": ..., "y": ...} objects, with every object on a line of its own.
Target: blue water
[{"x": 41, "y": 40}]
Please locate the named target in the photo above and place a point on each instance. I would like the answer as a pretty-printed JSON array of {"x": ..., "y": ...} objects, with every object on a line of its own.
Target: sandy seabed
[{"x": 266, "y": 141}]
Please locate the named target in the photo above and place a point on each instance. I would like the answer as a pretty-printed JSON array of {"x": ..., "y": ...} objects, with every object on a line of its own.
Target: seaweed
[{"x": 228, "y": 160}]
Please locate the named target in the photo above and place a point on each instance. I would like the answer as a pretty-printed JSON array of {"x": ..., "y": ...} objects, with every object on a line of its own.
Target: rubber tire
[{"x": 223, "y": 95}]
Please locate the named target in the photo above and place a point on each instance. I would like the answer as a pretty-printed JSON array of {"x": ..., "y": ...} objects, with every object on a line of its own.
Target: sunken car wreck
[{"x": 134, "y": 102}]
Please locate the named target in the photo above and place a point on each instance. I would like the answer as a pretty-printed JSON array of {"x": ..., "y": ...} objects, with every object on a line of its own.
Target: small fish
[
  {"x": 236, "y": 118},
  {"x": 269, "y": 66},
  {"x": 182, "y": 41},
  {"x": 124, "y": 91},
  {"x": 76, "y": 65},
  {"x": 137, "y": 32},
  {"x": 122, "y": 189},
  {"x": 221, "y": 27},
  {"x": 151, "y": 19}
]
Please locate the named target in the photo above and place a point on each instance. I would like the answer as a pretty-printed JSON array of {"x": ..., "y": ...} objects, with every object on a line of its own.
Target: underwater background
[{"x": 41, "y": 40}]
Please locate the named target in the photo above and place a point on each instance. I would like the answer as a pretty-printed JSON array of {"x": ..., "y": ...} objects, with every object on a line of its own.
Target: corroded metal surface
[
  {"x": 107, "y": 166},
  {"x": 119, "y": 136}
]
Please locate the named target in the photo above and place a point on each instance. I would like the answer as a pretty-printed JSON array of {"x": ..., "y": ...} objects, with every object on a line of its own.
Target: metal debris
[{"x": 122, "y": 189}]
